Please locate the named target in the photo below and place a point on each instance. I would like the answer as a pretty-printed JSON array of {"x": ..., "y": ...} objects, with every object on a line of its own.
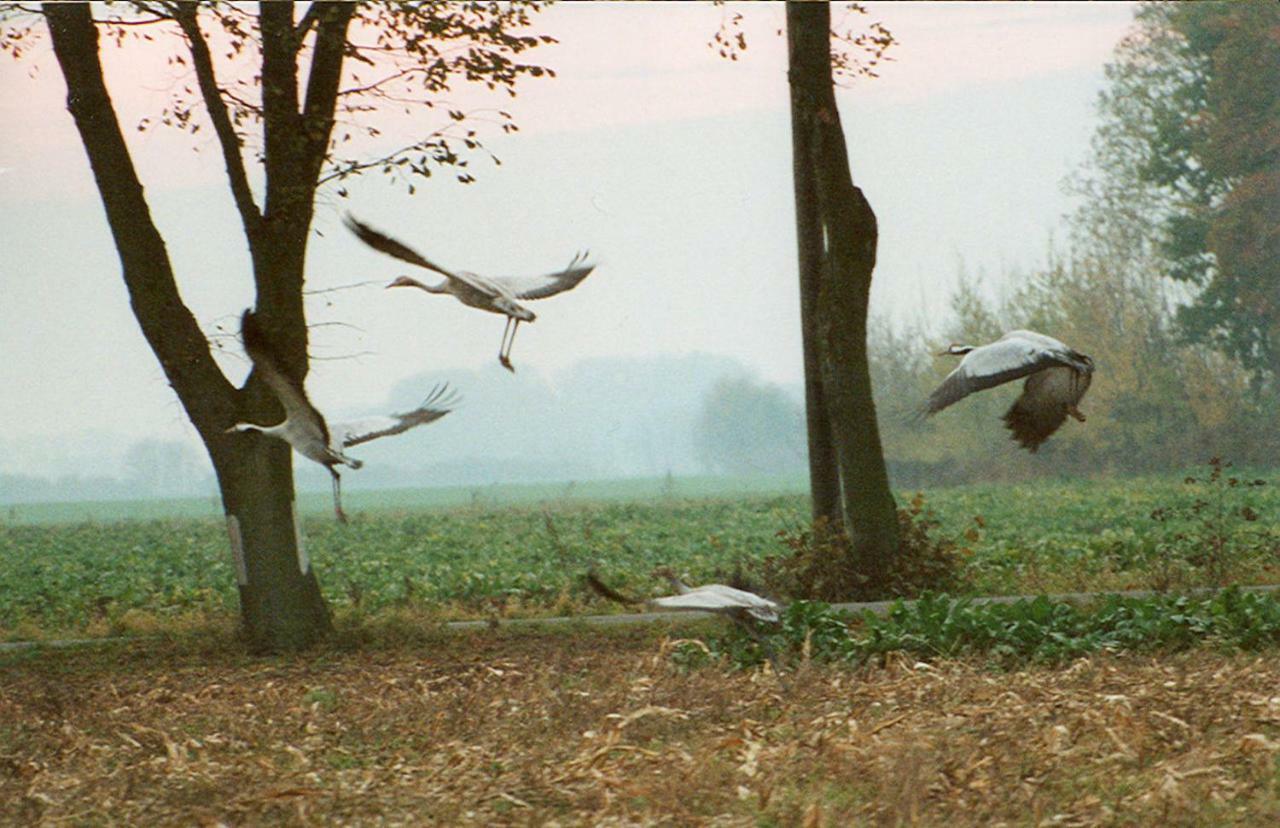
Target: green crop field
[{"x": 521, "y": 550}]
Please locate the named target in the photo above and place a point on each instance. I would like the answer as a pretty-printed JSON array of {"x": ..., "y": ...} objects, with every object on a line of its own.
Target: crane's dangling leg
[
  {"x": 504, "y": 350},
  {"x": 337, "y": 495},
  {"x": 763, "y": 640},
  {"x": 514, "y": 327},
  {"x": 1075, "y": 412}
]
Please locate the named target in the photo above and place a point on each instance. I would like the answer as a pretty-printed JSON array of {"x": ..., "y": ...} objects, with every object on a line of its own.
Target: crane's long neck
[
  {"x": 408, "y": 281},
  {"x": 677, "y": 584},
  {"x": 270, "y": 431}
]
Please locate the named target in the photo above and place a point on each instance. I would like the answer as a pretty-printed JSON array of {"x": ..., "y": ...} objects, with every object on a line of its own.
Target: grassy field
[
  {"x": 600, "y": 728},
  {"x": 396, "y": 720},
  {"x": 96, "y": 577}
]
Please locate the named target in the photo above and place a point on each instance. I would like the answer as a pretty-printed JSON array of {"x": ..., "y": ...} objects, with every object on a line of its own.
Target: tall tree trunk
[
  {"x": 281, "y": 607},
  {"x": 281, "y": 603},
  {"x": 842, "y": 298},
  {"x": 824, "y": 473}
]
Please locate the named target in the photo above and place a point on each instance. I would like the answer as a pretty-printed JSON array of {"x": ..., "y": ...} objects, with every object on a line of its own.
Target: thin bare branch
[
  {"x": 315, "y": 358},
  {"x": 365, "y": 283},
  {"x": 111, "y": 21},
  {"x": 436, "y": 140},
  {"x": 375, "y": 85},
  {"x": 250, "y": 215}
]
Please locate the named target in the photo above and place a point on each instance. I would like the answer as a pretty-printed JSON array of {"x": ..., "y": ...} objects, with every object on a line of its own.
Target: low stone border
[{"x": 877, "y": 607}]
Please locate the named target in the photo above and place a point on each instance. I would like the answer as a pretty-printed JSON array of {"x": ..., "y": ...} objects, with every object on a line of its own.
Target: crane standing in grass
[
  {"x": 494, "y": 294},
  {"x": 1057, "y": 379},
  {"x": 305, "y": 428}
]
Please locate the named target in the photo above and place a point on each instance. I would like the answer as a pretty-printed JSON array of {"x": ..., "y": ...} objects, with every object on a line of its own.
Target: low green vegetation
[
  {"x": 1012, "y": 634},
  {"x": 104, "y": 577}
]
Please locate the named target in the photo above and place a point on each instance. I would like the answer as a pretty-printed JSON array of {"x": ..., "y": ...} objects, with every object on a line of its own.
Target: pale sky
[{"x": 669, "y": 163}]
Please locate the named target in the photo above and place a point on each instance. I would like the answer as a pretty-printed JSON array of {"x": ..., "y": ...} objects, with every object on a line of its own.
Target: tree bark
[
  {"x": 842, "y": 300},
  {"x": 281, "y": 604},
  {"x": 805, "y": 60}
]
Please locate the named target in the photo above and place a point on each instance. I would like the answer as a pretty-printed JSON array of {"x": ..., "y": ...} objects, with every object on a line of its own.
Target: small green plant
[
  {"x": 1211, "y": 535},
  {"x": 321, "y": 698},
  {"x": 821, "y": 566}
]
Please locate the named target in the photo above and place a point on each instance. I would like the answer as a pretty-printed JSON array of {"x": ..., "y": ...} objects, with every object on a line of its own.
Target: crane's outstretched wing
[
  {"x": 720, "y": 598},
  {"x": 548, "y": 284},
  {"x": 991, "y": 365},
  {"x": 1042, "y": 408},
  {"x": 291, "y": 394},
  {"x": 436, "y": 405},
  {"x": 385, "y": 244}
]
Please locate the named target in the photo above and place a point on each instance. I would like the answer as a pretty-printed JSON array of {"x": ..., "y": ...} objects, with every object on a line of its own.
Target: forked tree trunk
[
  {"x": 281, "y": 605},
  {"x": 824, "y": 473},
  {"x": 843, "y": 294}
]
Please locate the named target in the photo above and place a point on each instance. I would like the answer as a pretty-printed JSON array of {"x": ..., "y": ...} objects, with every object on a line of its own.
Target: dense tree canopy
[{"x": 1190, "y": 143}]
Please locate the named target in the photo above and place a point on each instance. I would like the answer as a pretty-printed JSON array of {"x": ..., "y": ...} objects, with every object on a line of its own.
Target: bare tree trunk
[
  {"x": 843, "y": 294},
  {"x": 281, "y": 605},
  {"x": 824, "y": 473}
]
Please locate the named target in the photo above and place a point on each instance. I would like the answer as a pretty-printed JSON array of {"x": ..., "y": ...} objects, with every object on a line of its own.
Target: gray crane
[
  {"x": 305, "y": 428},
  {"x": 494, "y": 294},
  {"x": 1057, "y": 378}
]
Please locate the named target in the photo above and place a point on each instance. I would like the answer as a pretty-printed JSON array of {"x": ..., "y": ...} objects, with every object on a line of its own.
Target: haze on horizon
[{"x": 671, "y": 164}]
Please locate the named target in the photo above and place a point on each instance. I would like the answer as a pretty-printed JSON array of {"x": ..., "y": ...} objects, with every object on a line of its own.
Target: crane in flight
[
  {"x": 746, "y": 609},
  {"x": 306, "y": 429},
  {"x": 1057, "y": 379},
  {"x": 742, "y": 606},
  {"x": 498, "y": 294},
  {"x": 738, "y": 604}
]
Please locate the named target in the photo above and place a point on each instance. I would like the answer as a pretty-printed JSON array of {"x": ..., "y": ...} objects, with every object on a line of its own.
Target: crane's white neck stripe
[{"x": 237, "y": 550}]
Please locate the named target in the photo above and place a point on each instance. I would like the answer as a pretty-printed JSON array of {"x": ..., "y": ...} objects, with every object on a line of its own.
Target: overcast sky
[{"x": 670, "y": 164}]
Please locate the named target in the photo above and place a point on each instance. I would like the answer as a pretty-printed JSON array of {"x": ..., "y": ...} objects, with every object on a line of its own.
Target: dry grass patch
[{"x": 596, "y": 727}]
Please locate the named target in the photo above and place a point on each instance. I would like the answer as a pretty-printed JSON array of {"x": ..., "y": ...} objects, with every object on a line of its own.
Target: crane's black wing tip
[
  {"x": 354, "y": 224},
  {"x": 607, "y": 592},
  {"x": 251, "y": 333}
]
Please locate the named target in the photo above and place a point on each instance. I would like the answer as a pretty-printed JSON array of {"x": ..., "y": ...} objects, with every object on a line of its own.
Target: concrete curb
[{"x": 857, "y": 607}]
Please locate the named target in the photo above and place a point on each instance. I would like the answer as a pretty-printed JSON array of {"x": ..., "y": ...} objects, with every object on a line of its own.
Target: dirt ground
[{"x": 598, "y": 728}]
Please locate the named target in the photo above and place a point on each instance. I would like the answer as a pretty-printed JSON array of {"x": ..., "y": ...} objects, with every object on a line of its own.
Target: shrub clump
[{"x": 821, "y": 565}]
